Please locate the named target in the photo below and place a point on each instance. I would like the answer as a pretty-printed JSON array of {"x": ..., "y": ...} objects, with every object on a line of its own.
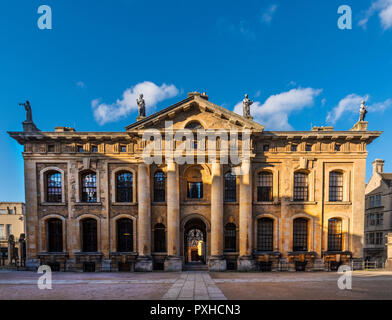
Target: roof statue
[
  {"x": 246, "y": 106},
  {"x": 362, "y": 111}
]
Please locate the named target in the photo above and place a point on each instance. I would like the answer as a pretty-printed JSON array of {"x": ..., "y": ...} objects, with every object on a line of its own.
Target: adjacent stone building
[
  {"x": 378, "y": 216},
  {"x": 11, "y": 221},
  {"x": 93, "y": 203}
]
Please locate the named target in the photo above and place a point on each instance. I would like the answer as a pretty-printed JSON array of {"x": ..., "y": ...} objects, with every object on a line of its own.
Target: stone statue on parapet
[
  {"x": 362, "y": 111},
  {"x": 246, "y": 106},
  {"x": 29, "y": 115},
  {"x": 142, "y": 105}
]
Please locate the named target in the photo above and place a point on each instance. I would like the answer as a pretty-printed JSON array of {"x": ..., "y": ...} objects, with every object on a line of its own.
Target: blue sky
[{"x": 289, "y": 56}]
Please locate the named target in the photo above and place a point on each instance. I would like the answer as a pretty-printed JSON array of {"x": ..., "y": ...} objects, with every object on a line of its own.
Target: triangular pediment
[{"x": 196, "y": 108}]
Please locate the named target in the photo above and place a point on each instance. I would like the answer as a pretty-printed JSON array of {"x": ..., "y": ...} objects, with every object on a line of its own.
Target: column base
[
  {"x": 32, "y": 264},
  {"x": 246, "y": 263},
  {"x": 143, "y": 264},
  {"x": 388, "y": 265},
  {"x": 173, "y": 264},
  {"x": 217, "y": 264}
]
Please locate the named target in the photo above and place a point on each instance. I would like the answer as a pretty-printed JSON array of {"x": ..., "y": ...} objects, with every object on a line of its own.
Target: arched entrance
[{"x": 195, "y": 240}]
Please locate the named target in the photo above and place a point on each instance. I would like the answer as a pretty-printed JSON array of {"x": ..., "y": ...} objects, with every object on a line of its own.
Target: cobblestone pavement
[{"x": 195, "y": 286}]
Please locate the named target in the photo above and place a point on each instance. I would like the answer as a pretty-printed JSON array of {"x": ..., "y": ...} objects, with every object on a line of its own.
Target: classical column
[
  {"x": 144, "y": 261},
  {"x": 245, "y": 260},
  {"x": 216, "y": 261},
  {"x": 173, "y": 261}
]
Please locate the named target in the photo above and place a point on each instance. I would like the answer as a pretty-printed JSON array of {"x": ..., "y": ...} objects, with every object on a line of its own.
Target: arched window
[
  {"x": 300, "y": 234},
  {"x": 194, "y": 125},
  {"x": 230, "y": 237},
  {"x": 159, "y": 238},
  {"x": 264, "y": 187},
  {"x": 55, "y": 235},
  {"x": 89, "y": 235},
  {"x": 335, "y": 234},
  {"x": 265, "y": 234},
  {"x": 230, "y": 187},
  {"x": 124, "y": 235},
  {"x": 335, "y": 186},
  {"x": 89, "y": 187},
  {"x": 124, "y": 186},
  {"x": 159, "y": 187},
  {"x": 301, "y": 189},
  {"x": 53, "y": 186}
]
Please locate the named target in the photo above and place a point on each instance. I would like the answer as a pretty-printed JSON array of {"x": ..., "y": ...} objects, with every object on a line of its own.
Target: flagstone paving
[{"x": 195, "y": 285}]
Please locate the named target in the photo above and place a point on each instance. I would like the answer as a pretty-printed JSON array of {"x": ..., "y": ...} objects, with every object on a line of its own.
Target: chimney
[{"x": 378, "y": 166}]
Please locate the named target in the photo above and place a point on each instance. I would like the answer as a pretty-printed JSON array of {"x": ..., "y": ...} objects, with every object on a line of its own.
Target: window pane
[
  {"x": 334, "y": 234},
  {"x": 265, "y": 234},
  {"x": 159, "y": 238},
  {"x": 195, "y": 190},
  {"x": 264, "y": 187},
  {"x": 230, "y": 188},
  {"x": 300, "y": 186},
  {"x": 89, "y": 233},
  {"x": 53, "y": 187},
  {"x": 89, "y": 187},
  {"x": 230, "y": 237},
  {"x": 55, "y": 235},
  {"x": 124, "y": 190},
  {"x": 300, "y": 235},
  {"x": 159, "y": 187},
  {"x": 335, "y": 186}
]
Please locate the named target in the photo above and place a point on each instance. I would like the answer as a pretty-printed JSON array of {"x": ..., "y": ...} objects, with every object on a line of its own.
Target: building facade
[
  {"x": 378, "y": 215},
  {"x": 93, "y": 203},
  {"x": 11, "y": 221}
]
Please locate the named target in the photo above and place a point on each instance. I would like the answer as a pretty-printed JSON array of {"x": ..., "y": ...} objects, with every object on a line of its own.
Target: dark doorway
[
  {"x": 124, "y": 235},
  {"x": 195, "y": 241}
]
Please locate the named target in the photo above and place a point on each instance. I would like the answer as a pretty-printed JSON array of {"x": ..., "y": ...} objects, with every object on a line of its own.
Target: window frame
[
  {"x": 265, "y": 239},
  {"x": 59, "y": 180},
  {"x": 130, "y": 188},
  {"x": 57, "y": 242},
  {"x": 301, "y": 189},
  {"x": 159, "y": 187},
  {"x": 230, "y": 237},
  {"x": 265, "y": 193},
  {"x": 160, "y": 238},
  {"x": 336, "y": 186},
  {"x": 335, "y": 237},
  {"x": 83, "y": 187},
  {"x": 300, "y": 239},
  {"x": 230, "y": 188}
]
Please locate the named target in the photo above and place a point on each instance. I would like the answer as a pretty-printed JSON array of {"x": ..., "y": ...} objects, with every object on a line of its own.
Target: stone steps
[{"x": 195, "y": 267}]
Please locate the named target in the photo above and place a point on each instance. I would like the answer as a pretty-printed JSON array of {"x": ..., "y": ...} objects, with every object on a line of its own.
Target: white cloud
[
  {"x": 153, "y": 94},
  {"x": 274, "y": 112},
  {"x": 267, "y": 16},
  {"x": 81, "y": 84},
  {"x": 384, "y": 10},
  {"x": 351, "y": 104}
]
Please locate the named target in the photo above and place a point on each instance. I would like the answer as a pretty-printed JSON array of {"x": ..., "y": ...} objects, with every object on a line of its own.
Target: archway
[{"x": 195, "y": 240}]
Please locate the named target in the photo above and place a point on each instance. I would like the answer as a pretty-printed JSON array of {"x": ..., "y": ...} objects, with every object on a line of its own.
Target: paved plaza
[{"x": 196, "y": 286}]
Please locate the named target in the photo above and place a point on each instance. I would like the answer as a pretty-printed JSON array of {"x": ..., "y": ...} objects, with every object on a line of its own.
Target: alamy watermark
[
  {"x": 45, "y": 281},
  {"x": 185, "y": 146}
]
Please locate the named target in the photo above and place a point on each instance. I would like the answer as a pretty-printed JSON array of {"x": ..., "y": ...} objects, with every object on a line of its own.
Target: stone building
[
  {"x": 11, "y": 221},
  {"x": 93, "y": 203},
  {"x": 378, "y": 214}
]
